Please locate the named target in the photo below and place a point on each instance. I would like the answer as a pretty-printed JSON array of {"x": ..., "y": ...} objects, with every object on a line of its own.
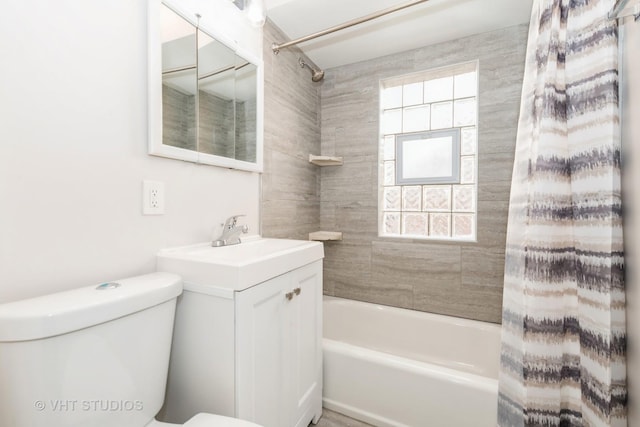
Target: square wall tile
[
  {"x": 436, "y": 198},
  {"x": 392, "y": 198},
  {"x": 416, "y": 119},
  {"x": 469, "y": 141},
  {"x": 392, "y": 97},
  {"x": 439, "y": 225},
  {"x": 438, "y": 90},
  {"x": 389, "y": 148},
  {"x": 391, "y": 223},
  {"x": 468, "y": 170},
  {"x": 464, "y": 198},
  {"x": 412, "y": 198},
  {"x": 442, "y": 115},
  {"x": 392, "y": 121},
  {"x": 466, "y": 85},
  {"x": 464, "y": 112},
  {"x": 389, "y": 173},
  {"x": 463, "y": 225},
  {"x": 412, "y": 94},
  {"x": 416, "y": 224}
]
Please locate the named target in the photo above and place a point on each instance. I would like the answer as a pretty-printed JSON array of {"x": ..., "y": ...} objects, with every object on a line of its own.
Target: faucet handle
[{"x": 231, "y": 221}]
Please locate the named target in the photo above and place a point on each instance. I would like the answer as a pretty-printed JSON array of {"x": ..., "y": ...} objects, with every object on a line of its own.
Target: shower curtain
[{"x": 563, "y": 340}]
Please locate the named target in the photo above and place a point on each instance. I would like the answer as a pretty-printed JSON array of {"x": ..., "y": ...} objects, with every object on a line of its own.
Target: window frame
[
  {"x": 391, "y": 212},
  {"x": 453, "y": 178}
]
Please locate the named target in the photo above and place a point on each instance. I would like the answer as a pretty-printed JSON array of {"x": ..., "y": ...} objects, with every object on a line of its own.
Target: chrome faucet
[{"x": 230, "y": 232}]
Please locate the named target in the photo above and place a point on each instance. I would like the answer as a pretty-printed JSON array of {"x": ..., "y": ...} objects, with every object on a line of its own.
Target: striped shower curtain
[{"x": 563, "y": 339}]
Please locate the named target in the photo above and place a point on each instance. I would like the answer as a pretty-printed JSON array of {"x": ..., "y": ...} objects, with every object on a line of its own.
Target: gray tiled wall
[
  {"x": 451, "y": 278},
  {"x": 246, "y": 130},
  {"x": 178, "y": 118},
  {"x": 221, "y": 133},
  {"x": 340, "y": 117},
  {"x": 216, "y": 134},
  {"x": 290, "y": 184}
]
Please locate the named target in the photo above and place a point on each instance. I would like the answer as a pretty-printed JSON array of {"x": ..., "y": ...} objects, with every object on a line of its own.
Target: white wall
[
  {"x": 630, "y": 92},
  {"x": 73, "y": 150}
]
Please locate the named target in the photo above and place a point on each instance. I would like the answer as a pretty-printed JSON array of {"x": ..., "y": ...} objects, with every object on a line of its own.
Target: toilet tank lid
[{"x": 69, "y": 311}]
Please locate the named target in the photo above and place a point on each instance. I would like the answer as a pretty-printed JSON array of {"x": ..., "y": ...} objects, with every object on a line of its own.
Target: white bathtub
[{"x": 394, "y": 367}]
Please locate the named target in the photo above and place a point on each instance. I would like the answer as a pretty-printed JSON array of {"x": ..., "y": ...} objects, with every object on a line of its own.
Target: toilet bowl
[{"x": 95, "y": 356}]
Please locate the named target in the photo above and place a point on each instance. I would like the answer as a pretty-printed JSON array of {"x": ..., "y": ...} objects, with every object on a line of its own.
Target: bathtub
[{"x": 394, "y": 367}]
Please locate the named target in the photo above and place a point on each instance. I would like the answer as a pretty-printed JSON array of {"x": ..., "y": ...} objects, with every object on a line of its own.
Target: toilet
[{"x": 96, "y": 356}]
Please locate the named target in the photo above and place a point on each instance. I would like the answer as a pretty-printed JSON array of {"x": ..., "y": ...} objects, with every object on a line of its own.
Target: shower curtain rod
[
  {"x": 213, "y": 73},
  {"x": 620, "y": 6},
  {"x": 277, "y": 46}
]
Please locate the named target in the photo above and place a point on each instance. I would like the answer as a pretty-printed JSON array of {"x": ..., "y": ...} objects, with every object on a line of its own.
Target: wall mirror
[{"x": 205, "y": 98}]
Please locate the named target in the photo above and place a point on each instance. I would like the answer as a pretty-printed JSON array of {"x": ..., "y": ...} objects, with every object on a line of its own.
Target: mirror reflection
[
  {"x": 246, "y": 110},
  {"x": 209, "y": 93},
  {"x": 179, "y": 81},
  {"x": 216, "y": 92}
]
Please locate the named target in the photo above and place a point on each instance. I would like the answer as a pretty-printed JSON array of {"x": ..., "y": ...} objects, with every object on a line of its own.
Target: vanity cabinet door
[
  {"x": 305, "y": 345},
  {"x": 260, "y": 342},
  {"x": 279, "y": 350}
]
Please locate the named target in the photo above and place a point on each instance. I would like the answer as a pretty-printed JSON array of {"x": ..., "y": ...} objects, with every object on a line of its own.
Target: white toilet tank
[{"x": 90, "y": 357}]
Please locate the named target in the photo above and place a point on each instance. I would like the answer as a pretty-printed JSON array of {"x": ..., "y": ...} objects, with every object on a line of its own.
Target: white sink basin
[{"x": 241, "y": 266}]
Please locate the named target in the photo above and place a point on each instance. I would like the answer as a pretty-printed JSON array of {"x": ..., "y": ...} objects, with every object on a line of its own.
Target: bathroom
[{"x": 75, "y": 131}]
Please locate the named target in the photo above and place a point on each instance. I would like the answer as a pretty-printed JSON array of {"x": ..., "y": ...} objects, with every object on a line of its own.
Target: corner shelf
[
  {"x": 324, "y": 236},
  {"x": 325, "y": 160}
]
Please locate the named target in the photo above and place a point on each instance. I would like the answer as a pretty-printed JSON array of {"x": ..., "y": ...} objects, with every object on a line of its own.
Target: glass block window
[{"x": 429, "y": 154}]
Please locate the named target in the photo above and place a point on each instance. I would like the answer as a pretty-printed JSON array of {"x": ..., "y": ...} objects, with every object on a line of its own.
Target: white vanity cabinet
[
  {"x": 251, "y": 350},
  {"x": 279, "y": 355}
]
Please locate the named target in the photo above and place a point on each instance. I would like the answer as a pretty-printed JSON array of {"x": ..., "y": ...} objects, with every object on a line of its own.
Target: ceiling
[{"x": 421, "y": 25}]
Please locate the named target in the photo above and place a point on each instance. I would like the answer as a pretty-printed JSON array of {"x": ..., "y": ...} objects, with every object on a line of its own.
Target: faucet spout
[{"x": 230, "y": 232}]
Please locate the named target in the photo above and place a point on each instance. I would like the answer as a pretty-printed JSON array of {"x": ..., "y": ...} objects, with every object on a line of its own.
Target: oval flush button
[{"x": 110, "y": 285}]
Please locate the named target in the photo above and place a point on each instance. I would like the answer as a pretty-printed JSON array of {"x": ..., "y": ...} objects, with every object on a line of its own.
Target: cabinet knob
[{"x": 290, "y": 295}]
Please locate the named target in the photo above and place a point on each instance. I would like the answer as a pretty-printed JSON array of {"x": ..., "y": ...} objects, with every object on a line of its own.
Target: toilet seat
[
  {"x": 207, "y": 420},
  {"x": 211, "y": 420}
]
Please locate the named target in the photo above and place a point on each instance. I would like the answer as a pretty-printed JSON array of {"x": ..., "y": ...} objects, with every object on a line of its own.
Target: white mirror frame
[{"x": 154, "y": 70}]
